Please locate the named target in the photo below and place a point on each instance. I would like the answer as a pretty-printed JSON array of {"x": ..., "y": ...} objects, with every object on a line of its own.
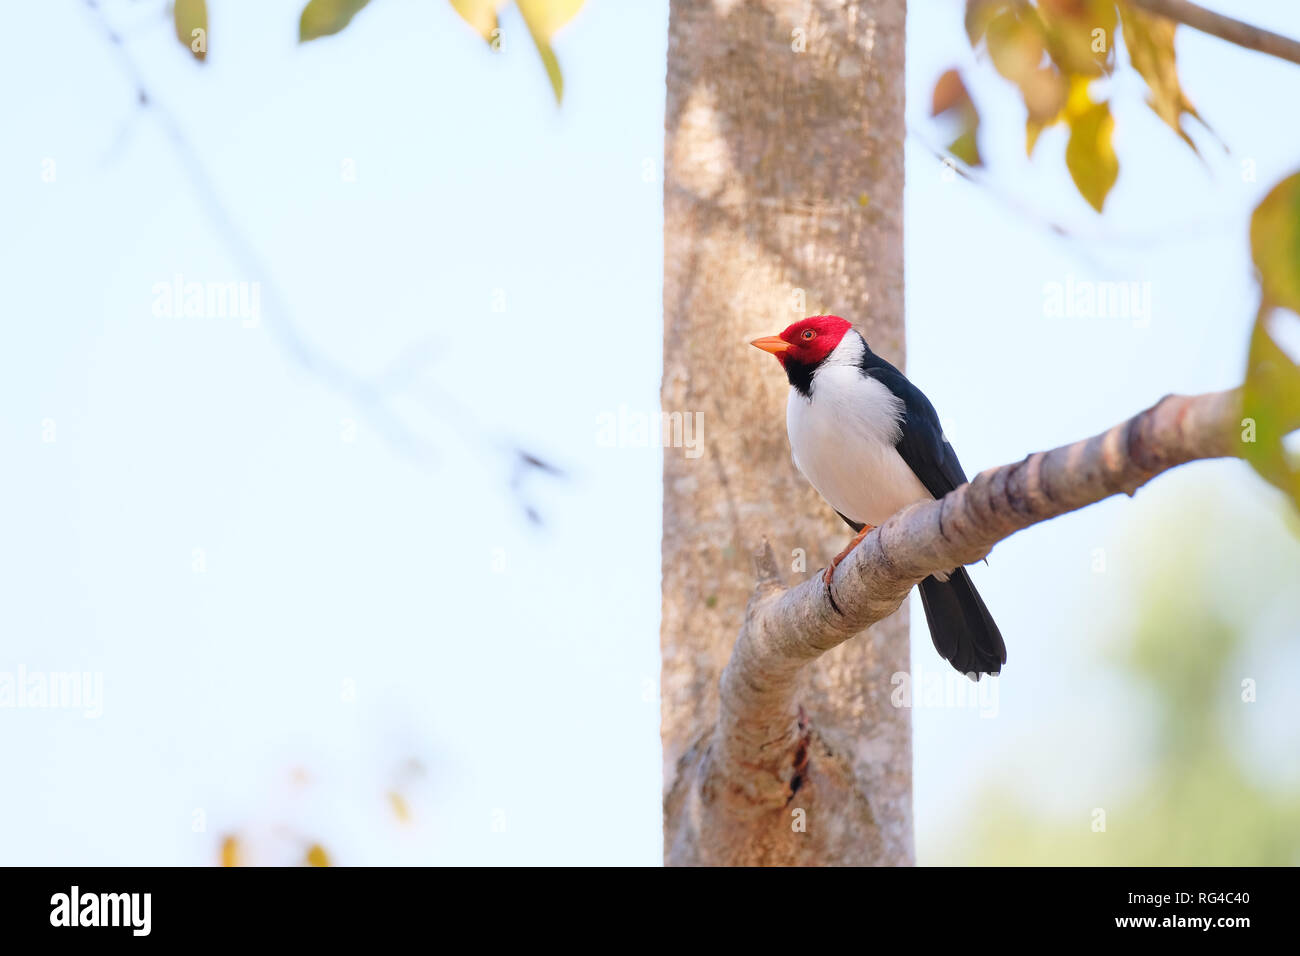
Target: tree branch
[
  {"x": 748, "y": 771},
  {"x": 1225, "y": 28}
]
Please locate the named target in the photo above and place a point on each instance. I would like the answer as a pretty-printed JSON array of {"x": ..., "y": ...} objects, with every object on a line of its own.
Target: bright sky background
[{"x": 356, "y": 606}]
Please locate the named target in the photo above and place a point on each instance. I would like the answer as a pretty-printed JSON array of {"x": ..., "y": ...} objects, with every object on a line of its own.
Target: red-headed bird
[{"x": 870, "y": 442}]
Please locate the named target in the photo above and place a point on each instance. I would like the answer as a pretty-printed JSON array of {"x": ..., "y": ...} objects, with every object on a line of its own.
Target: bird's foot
[{"x": 835, "y": 563}]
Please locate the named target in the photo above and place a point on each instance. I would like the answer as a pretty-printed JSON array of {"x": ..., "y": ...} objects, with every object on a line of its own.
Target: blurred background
[{"x": 355, "y": 569}]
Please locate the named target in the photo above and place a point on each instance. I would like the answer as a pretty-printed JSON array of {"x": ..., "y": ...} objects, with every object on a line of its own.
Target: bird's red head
[{"x": 807, "y": 342}]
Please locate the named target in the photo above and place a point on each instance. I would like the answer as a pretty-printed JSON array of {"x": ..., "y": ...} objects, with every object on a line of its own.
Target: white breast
[{"x": 842, "y": 439}]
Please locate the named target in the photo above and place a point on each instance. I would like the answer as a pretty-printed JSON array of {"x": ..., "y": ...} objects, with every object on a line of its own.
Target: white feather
[{"x": 842, "y": 439}]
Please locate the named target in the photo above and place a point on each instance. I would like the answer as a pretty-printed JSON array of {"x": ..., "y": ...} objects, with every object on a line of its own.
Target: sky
[{"x": 286, "y": 545}]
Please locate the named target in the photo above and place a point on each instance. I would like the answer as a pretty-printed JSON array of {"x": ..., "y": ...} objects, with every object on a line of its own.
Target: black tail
[{"x": 960, "y": 625}]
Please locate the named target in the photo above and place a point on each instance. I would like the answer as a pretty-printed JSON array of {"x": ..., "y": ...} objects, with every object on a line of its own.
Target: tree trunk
[{"x": 783, "y": 186}]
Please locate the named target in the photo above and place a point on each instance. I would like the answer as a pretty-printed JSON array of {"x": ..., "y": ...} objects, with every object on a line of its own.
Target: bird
[{"x": 870, "y": 443}]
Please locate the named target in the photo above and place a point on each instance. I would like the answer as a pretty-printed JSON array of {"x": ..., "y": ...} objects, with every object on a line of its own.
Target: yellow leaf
[
  {"x": 547, "y": 16},
  {"x": 231, "y": 854},
  {"x": 1271, "y": 406},
  {"x": 400, "y": 808},
  {"x": 1080, "y": 34},
  {"x": 1044, "y": 91},
  {"x": 1090, "y": 155},
  {"x": 1017, "y": 44},
  {"x": 1032, "y": 131},
  {"x": 480, "y": 14},
  {"x": 978, "y": 15},
  {"x": 190, "y": 18},
  {"x": 1079, "y": 100},
  {"x": 322, "y": 18},
  {"x": 1067, "y": 99},
  {"x": 316, "y": 856},
  {"x": 1275, "y": 243},
  {"x": 1150, "y": 44},
  {"x": 543, "y": 18}
]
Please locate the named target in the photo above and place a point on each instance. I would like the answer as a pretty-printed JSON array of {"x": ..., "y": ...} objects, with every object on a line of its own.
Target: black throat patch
[{"x": 800, "y": 376}]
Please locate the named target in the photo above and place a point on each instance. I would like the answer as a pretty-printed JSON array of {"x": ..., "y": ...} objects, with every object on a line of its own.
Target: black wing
[
  {"x": 961, "y": 627},
  {"x": 921, "y": 442}
]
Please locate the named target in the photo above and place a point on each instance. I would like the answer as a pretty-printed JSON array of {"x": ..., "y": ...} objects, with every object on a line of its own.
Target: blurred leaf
[
  {"x": 951, "y": 97},
  {"x": 966, "y": 147},
  {"x": 322, "y": 18},
  {"x": 949, "y": 93},
  {"x": 978, "y": 15},
  {"x": 544, "y": 17},
  {"x": 480, "y": 14},
  {"x": 1033, "y": 129},
  {"x": 1271, "y": 406},
  {"x": 400, "y": 808},
  {"x": 316, "y": 856},
  {"x": 1014, "y": 37},
  {"x": 1275, "y": 244},
  {"x": 1044, "y": 91},
  {"x": 547, "y": 16},
  {"x": 231, "y": 854},
  {"x": 1150, "y": 44},
  {"x": 191, "y": 20},
  {"x": 1080, "y": 34},
  {"x": 1016, "y": 40},
  {"x": 1090, "y": 155}
]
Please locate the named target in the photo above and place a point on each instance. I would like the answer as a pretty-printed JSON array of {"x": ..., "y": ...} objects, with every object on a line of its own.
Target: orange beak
[{"x": 771, "y": 343}]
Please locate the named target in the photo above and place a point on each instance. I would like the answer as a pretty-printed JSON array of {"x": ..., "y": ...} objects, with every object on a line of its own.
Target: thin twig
[{"x": 368, "y": 397}]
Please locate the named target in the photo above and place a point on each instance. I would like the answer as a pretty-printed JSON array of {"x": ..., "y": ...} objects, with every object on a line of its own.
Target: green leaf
[
  {"x": 966, "y": 147},
  {"x": 322, "y": 18},
  {"x": 1275, "y": 244},
  {"x": 543, "y": 18},
  {"x": 1090, "y": 155},
  {"x": 1150, "y": 44},
  {"x": 191, "y": 21},
  {"x": 480, "y": 14},
  {"x": 1271, "y": 406}
]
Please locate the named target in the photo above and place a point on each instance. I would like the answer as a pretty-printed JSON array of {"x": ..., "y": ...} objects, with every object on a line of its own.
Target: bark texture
[{"x": 783, "y": 185}]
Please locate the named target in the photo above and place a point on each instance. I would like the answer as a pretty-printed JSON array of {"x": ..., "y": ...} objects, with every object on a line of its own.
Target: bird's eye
[{"x": 809, "y": 334}]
